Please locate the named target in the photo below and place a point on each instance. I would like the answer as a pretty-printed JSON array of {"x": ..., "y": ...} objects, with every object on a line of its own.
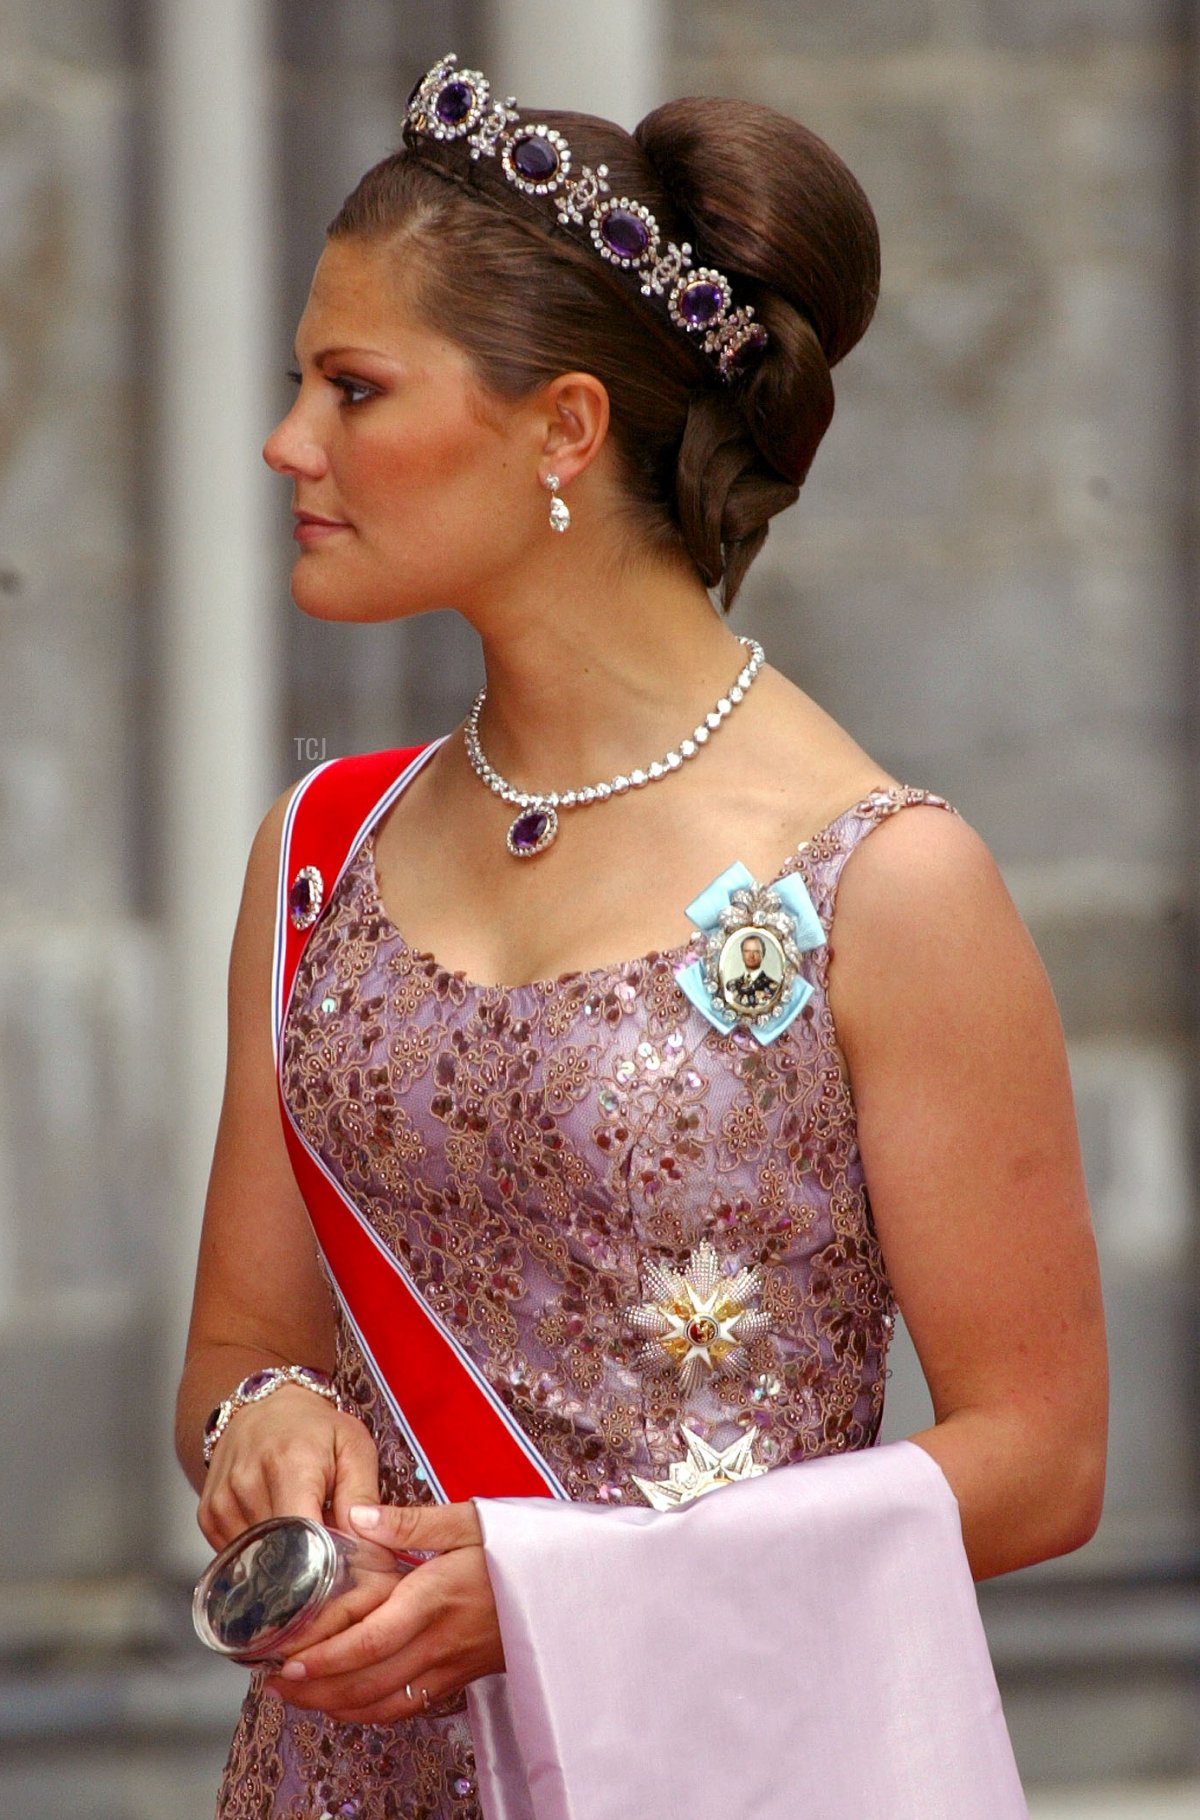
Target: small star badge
[{"x": 704, "y": 1469}]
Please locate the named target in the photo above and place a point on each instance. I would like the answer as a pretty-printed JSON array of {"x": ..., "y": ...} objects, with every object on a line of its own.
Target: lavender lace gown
[{"x": 529, "y": 1152}]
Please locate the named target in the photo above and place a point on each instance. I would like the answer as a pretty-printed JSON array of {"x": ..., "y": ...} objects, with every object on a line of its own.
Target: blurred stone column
[
  {"x": 598, "y": 59},
  {"x": 215, "y": 245}
]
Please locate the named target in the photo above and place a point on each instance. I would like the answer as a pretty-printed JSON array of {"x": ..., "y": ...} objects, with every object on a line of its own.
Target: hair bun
[
  {"x": 772, "y": 202},
  {"x": 776, "y": 209}
]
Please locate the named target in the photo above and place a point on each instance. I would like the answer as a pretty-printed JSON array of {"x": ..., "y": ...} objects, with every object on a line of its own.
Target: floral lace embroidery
[{"x": 528, "y": 1153}]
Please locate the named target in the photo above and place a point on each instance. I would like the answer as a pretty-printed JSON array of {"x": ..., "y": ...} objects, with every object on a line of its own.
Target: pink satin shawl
[{"x": 801, "y": 1646}]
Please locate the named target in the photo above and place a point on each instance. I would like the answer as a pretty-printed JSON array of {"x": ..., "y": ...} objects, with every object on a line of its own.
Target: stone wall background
[
  {"x": 81, "y": 1123},
  {"x": 988, "y": 578}
]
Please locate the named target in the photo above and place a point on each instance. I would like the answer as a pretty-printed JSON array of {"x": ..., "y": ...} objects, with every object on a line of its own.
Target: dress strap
[{"x": 823, "y": 858}]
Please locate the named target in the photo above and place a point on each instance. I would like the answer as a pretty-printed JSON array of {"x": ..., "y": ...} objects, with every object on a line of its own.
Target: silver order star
[
  {"x": 704, "y": 1469},
  {"x": 698, "y": 1319}
]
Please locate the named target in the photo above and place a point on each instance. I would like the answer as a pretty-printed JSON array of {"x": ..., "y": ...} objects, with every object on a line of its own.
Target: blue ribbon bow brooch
[{"x": 750, "y": 972}]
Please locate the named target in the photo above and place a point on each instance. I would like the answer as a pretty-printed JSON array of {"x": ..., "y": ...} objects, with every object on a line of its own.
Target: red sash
[{"x": 466, "y": 1440}]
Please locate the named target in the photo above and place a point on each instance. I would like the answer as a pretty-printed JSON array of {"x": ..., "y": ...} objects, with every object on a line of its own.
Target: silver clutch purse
[{"x": 284, "y": 1584}]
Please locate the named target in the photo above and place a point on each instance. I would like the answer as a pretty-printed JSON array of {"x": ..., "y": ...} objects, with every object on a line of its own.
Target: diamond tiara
[{"x": 450, "y": 105}]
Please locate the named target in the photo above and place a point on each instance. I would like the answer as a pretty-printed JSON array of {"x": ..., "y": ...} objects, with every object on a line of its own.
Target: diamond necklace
[{"x": 536, "y": 826}]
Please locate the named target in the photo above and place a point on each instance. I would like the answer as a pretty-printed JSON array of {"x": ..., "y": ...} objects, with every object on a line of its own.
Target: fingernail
[
  {"x": 292, "y": 1671},
  {"x": 365, "y": 1516}
]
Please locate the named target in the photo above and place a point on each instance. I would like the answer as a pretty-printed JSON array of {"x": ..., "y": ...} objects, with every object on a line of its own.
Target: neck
[{"x": 585, "y": 680}]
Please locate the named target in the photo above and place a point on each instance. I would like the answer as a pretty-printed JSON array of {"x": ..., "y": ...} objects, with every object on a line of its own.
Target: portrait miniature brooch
[{"x": 756, "y": 937}]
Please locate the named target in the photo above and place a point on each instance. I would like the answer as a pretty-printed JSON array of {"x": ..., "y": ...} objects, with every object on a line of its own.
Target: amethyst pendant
[{"x": 532, "y": 831}]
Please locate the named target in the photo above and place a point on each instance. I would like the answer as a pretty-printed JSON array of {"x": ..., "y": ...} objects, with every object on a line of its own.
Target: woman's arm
[
  {"x": 967, "y": 1129},
  {"x": 260, "y": 1295}
]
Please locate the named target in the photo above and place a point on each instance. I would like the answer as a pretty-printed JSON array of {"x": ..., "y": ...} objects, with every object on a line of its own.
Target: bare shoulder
[
  {"x": 262, "y": 866},
  {"x": 926, "y": 933},
  {"x": 923, "y": 852},
  {"x": 257, "y": 1281},
  {"x": 800, "y": 762}
]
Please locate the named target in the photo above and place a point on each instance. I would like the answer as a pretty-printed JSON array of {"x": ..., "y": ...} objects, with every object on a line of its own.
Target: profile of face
[
  {"x": 752, "y": 953},
  {"x": 427, "y": 487}
]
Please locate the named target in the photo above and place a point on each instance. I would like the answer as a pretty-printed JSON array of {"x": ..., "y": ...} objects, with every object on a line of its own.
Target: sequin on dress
[{"x": 546, "y": 1159}]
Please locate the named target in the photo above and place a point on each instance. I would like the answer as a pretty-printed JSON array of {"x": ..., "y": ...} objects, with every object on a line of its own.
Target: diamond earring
[{"x": 560, "y": 511}]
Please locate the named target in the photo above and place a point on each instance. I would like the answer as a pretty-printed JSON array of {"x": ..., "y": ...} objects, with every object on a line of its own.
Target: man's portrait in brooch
[{"x": 751, "y": 970}]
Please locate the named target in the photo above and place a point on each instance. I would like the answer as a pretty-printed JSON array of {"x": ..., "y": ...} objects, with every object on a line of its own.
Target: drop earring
[{"x": 560, "y": 511}]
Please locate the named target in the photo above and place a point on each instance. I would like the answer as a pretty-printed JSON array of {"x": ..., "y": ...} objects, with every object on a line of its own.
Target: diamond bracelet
[{"x": 260, "y": 1384}]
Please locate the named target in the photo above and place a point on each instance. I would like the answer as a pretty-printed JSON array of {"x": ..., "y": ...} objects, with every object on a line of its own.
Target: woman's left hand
[{"x": 436, "y": 1630}]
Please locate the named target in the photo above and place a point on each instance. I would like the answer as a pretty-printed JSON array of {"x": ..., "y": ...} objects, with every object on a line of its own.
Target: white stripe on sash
[{"x": 464, "y": 1358}]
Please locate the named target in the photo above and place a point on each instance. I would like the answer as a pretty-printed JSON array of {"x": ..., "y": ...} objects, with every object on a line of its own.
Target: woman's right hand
[
  {"x": 263, "y": 1298},
  {"x": 292, "y": 1454}
]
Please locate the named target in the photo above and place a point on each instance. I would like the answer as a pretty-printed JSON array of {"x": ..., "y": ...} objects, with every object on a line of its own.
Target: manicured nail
[
  {"x": 365, "y": 1516},
  {"x": 292, "y": 1671}
]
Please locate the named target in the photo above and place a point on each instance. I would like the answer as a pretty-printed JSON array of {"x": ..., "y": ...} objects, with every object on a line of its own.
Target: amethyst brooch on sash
[
  {"x": 751, "y": 971},
  {"x": 306, "y": 897}
]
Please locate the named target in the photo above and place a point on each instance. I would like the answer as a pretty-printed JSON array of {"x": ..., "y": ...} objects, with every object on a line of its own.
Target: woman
[{"x": 560, "y": 379}]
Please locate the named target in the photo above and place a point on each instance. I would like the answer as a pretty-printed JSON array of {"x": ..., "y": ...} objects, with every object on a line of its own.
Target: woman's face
[{"x": 425, "y": 499}]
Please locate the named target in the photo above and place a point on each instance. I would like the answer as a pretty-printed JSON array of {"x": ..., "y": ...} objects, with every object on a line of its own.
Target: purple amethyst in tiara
[
  {"x": 535, "y": 158},
  {"x": 625, "y": 234},
  {"x": 700, "y": 300},
  {"x": 450, "y": 105},
  {"x": 751, "y": 350},
  {"x": 700, "y": 303},
  {"x": 454, "y": 103}
]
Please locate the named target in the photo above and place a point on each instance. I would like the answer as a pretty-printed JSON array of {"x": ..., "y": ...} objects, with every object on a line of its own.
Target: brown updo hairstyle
[{"x": 706, "y": 464}]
